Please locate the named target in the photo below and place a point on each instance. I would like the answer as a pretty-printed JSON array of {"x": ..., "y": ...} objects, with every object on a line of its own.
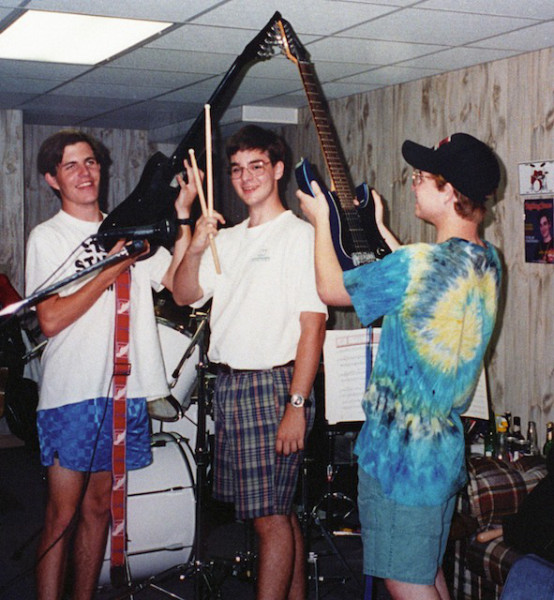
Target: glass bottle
[
  {"x": 532, "y": 438},
  {"x": 516, "y": 443},
  {"x": 516, "y": 429},
  {"x": 549, "y": 438},
  {"x": 490, "y": 438},
  {"x": 502, "y": 443},
  {"x": 508, "y": 417}
]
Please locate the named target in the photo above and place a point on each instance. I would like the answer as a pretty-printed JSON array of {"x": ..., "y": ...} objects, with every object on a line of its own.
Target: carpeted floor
[{"x": 166, "y": 519}]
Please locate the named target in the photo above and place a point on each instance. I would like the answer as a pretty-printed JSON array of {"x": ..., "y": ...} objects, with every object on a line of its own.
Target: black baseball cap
[{"x": 464, "y": 161}]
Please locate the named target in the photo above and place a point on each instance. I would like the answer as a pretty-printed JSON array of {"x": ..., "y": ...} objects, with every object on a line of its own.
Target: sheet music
[
  {"x": 346, "y": 355},
  {"x": 479, "y": 407}
]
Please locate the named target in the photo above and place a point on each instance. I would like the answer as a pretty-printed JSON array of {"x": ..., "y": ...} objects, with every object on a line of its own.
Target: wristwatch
[{"x": 297, "y": 400}]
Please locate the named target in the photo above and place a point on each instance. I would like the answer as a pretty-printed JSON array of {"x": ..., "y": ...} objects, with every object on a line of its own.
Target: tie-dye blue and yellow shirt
[{"x": 439, "y": 302}]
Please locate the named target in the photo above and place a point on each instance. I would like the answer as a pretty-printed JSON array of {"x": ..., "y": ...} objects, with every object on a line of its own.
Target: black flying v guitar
[{"x": 356, "y": 237}]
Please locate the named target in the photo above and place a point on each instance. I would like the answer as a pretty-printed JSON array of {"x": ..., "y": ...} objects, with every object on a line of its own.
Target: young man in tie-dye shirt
[{"x": 439, "y": 303}]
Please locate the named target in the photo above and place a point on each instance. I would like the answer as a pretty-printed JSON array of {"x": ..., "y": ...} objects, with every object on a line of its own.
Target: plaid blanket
[{"x": 495, "y": 489}]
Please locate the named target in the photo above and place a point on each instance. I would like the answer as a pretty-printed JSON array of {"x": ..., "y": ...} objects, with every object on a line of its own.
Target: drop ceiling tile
[
  {"x": 415, "y": 25},
  {"x": 28, "y": 85},
  {"x": 531, "y": 38},
  {"x": 375, "y": 52},
  {"x": 338, "y": 89},
  {"x": 317, "y": 17},
  {"x": 174, "y": 60},
  {"x": 99, "y": 90},
  {"x": 194, "y": 37},
  {"x": 71, "y": 104},
  {"x": 457, "y": 58},
  {"x": 9, "y": 100},
  {"x": 393, "y": 75},
  {"x": 534, "y": 9},
  {"x": 139, "y": 77},
  {"x": 40, "y": 70}
]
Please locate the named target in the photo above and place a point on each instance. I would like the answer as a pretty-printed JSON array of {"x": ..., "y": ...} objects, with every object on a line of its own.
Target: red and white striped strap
[{"x": 122, "y": 369}]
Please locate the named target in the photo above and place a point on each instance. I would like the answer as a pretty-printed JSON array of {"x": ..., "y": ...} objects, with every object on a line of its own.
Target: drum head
[{"x": 161, "y": 516}]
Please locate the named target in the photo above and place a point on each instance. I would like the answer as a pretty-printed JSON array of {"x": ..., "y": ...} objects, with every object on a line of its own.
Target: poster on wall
[
  {"x": 539, "y": 216},
  {"x": 536, "y": 178}
]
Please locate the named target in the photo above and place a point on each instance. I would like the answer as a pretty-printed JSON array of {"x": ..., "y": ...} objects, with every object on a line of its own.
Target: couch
[{"x": 495, "y": 489}]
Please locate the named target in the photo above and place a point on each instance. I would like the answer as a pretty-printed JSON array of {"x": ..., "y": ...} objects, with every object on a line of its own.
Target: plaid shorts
[
  {"x": 248, "y": 407},
  {"x": 80, "y": 435}
]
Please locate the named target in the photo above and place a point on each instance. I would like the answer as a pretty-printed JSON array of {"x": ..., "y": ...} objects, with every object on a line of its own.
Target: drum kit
[
  {"x": 165, "y": 499},
  {"x": 165, "y": 512}
]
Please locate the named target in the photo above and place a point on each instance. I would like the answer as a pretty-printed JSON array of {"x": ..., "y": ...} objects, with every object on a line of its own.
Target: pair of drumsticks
[{"x": 207, "y": 208}]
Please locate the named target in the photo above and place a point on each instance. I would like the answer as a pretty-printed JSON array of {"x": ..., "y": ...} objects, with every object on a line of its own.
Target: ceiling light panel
[{"x": 74, "y": 39}]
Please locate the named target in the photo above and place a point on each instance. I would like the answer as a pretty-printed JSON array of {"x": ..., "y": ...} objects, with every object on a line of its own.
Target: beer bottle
[{"x": 549, "y": 438}]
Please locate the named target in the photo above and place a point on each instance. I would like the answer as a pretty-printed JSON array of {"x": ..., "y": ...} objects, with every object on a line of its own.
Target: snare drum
[
  {"x": 160, "y": 511},
  {"x": 181, "y": 378}
]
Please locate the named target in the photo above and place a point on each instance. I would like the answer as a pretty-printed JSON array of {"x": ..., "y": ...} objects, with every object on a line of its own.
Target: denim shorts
[
  {"x": 404, "y": 543},
  {"x": 80, "y": 435}
]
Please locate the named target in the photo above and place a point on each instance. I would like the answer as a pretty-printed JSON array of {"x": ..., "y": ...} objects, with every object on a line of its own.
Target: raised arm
[
  {"x": 186, "y": 285},
  {"x": 183, "y": 204},
  {"x": 330, "y": 285},
  {"x": 385, "y": 232}
]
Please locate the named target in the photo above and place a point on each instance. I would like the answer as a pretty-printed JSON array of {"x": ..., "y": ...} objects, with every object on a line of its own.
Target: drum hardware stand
[
  {"x": 205, "y": 586},
  {"x": 309, "y": 518}
]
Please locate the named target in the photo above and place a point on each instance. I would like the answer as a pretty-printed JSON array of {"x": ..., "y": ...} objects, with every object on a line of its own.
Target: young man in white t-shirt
[
  {"x": 75, "y": 404},
  {"x": 267, "y": 326}
]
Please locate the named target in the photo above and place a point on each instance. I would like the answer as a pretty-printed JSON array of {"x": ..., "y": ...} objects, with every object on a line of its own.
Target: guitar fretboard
[{"x": 340, "y": 183}]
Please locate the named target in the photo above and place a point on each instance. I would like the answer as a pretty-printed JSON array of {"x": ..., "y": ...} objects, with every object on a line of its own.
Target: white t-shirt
[
  {"x": 77, "y": 363},
  {"x": 267, "y": 280}
]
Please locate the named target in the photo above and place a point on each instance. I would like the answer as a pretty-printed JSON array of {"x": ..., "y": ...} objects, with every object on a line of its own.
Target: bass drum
[{"x": 160, "y": 511}]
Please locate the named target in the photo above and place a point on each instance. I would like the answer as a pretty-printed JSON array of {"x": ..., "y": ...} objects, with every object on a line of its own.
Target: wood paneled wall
[{"x": 11, "y": 197}]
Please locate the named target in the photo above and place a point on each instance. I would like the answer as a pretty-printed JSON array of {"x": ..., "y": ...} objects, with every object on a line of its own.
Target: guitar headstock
[
  {"x": 288, "y": 41},
  {"x": 262, "y": 46}
]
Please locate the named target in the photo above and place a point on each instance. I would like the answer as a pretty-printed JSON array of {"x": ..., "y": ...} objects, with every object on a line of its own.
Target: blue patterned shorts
[
  {"x": 248, "y": 408},
  {"x": 80, "y": 435}
]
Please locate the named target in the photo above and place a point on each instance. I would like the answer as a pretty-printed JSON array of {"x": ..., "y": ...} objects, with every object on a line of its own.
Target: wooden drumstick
[
  {"x": 204, "y": 208},
  {"x": 209, "y": 170}
]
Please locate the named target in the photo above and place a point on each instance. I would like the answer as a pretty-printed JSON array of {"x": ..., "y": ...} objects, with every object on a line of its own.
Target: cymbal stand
[
  {"x": 205, "y": 587},
  {"x": 311, "y": 517}
]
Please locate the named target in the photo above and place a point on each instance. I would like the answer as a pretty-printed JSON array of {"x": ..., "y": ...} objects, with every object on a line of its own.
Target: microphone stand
[{"x": 130, "y": 249}]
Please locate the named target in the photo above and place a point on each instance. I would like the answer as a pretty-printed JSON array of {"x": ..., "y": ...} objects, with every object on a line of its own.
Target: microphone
[{"x": 165, "y": 230}]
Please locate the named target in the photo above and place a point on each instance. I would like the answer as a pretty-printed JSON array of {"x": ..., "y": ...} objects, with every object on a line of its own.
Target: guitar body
[
  {"x": 346, "y": 228},
  {"x": 151, "y": 201}
]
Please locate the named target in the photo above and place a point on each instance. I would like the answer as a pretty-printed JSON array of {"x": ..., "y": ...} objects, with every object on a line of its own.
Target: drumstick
[
  {"x": 209, "y": 172},
  {"x": 203, "y": 206}
]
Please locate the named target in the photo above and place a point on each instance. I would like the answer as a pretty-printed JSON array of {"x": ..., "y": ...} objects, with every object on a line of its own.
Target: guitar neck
[{"x": 340, "y": 182}]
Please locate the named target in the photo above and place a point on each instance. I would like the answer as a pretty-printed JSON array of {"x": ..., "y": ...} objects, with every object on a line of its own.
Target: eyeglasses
[
  {"x": 256, "y": 168},
  {"x": 418, "y": 177}
]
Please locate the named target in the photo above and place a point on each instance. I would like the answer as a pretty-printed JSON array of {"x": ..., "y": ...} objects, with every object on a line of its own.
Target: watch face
[{"x": 297, "y": 400}]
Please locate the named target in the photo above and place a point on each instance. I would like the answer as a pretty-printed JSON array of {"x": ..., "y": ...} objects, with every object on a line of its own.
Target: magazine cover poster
[{"x": 539, "y": 215}]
